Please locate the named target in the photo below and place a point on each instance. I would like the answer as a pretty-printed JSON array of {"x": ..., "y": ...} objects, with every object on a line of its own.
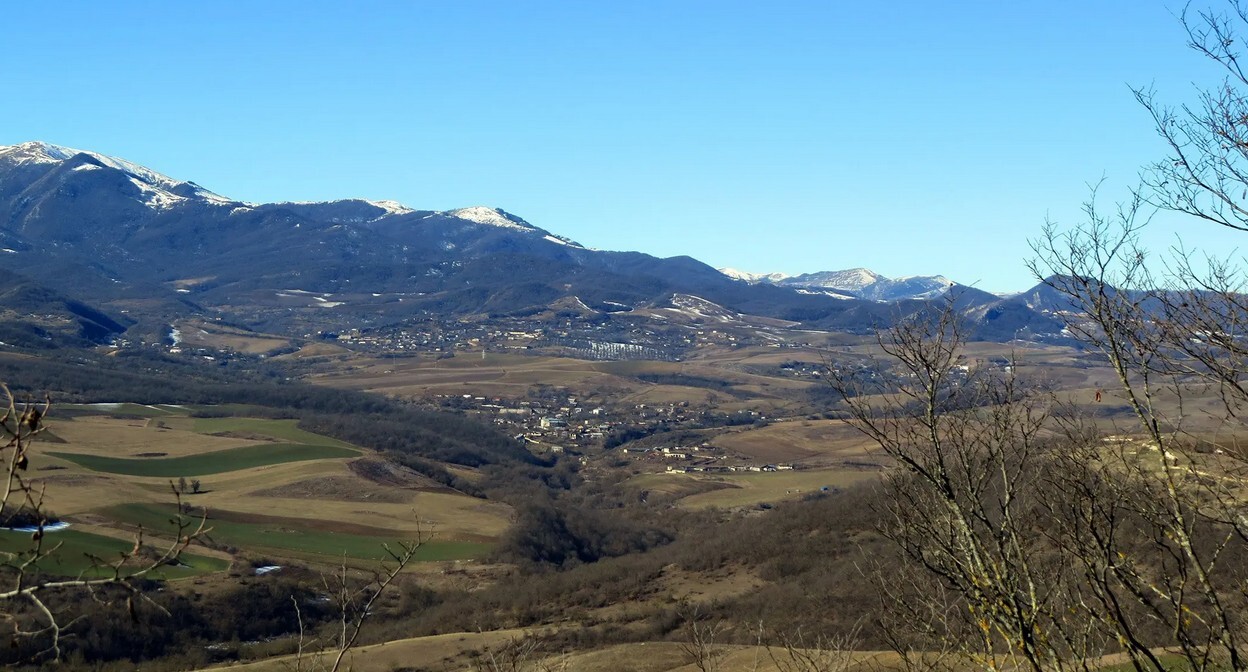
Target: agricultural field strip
[
  {"x": 447, "y": 516},
  {"x": 279, "y": 535},
  {"x": 452, "y": 517},
  {"x": 283, "y": 430},
  {"x": 76, "y": 549},
  {"x": 702, "y": 490},
  {"x": 513, "y": 370},
  {"x": 203, "y": 464},
  {"x": 756, "y": 488},
  {"x": 181, "y": 446}
]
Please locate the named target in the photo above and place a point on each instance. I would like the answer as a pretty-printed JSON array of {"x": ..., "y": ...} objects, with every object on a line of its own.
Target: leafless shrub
[
  {"x": 1036, "y": 538},
  {"x": 703, "y": 638},
  {"x": 800, "y": 651},
  {"x": 108, "y": 580},
  {"x": 354, "y": 602},
  {"x": 519, "y": 654}
]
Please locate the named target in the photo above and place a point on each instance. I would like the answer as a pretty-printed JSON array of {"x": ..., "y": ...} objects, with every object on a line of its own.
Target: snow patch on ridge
[
  {"x": 388, "y": 207},
  {"x": 155, "y": 198},
  {"x": 479, "y": 214},
  {"x": 699, "y": 308},
  {"x": 827, "y": 292},
  {"x": 497, "y": 217},
  {"x": 853, "y": 279},
  {"x": 752, "y": 277},
  {"x": 391, "y": 207}
]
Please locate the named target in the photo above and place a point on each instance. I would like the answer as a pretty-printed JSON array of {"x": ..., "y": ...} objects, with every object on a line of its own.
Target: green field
[
  {"x": 282, "y": 536},
  {"x": 283, "y": 430},
  {"x": 216, "y": 462},
  {"x": 74, "y": 556}
]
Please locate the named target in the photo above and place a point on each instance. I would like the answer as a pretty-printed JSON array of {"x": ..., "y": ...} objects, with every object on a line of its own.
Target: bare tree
[
  {"x": 354, "y": 602},
  {"x": 1168, "y": 533},
  {"x": 703, "y": 640},
  {"x": 964, "y": 506},
  {"x": 1204, "y": 174},
  {"x": 1169, "y": 338},
  {"x": 20, "y": 425},
  {"x": 1037, "y": 538},
  {"x": 518, "y": 654},
  {"x": 1031, "y": 539},
  {"x": 800, "y": 651}
]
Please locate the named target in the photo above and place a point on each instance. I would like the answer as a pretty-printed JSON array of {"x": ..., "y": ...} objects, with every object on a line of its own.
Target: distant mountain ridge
[
  {"x": 859, "y": 283},
  {"x": 124, "y": 237}
]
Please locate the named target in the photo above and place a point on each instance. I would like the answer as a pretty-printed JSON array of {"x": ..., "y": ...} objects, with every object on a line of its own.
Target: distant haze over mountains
[{"x": 130, "y": 240}]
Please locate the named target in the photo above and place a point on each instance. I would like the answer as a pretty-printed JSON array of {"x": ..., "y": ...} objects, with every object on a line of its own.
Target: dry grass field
[
  {"x": 507, "y": 375},
  {"x": 316, "y": 350},
  {"x": 450, "y": 651},
  {"x": 810, "y": 442},
  {"x": 737, "y": 378},
  {"x": 205, "y": 334},
  {"x": 457, "y": 651},
  {"x": 496, "y": 375},
  {"x": 748, "y": 489},
  {"x": 136, "y": 437}
]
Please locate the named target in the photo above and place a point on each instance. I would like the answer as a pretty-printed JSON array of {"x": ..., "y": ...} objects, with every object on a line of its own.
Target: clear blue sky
[{"x": 910, "y": 137}]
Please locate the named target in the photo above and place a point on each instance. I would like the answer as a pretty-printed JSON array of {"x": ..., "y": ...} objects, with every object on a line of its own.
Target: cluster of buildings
[
  {"x": 553, "y": 424},
  {"x": 561, "y": 423}
]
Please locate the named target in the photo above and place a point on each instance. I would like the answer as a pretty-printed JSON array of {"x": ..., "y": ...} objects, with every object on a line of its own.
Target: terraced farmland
[{"x": 269, "y": 488}]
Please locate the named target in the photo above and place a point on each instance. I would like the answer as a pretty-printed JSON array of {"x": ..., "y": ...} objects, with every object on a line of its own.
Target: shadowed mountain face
[
  {"x": 33, "y": 316},
  {"x": 107, "y": 231}
]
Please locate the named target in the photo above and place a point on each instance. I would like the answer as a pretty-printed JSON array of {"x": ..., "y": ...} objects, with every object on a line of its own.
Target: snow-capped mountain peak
[
  {"x": 752, "y": 278},
  {"x": 860, "y": 283},
  {"x": 37, "y": 152},
  {"x": 853, "y": 279},
  {"x": 157, "y": 190}
]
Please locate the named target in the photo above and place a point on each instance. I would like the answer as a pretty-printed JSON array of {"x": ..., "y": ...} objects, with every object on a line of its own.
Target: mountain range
[
  {"x": 149, "y": 249},
  {"x": 856, "y": 283}
]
